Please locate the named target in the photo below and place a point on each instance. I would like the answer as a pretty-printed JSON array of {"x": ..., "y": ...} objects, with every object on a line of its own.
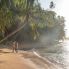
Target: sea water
[{"x": 58, "y": 54}]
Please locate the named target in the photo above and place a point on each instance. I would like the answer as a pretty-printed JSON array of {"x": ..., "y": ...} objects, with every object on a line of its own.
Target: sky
[{"x": 61, "y": 8}]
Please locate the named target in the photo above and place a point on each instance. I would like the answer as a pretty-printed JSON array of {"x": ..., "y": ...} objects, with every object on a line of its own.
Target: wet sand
[{"x": 24, "y": 60}]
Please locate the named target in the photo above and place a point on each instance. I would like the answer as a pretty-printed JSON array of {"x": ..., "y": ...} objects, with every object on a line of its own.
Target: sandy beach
[{"x": 24, "y": 60}]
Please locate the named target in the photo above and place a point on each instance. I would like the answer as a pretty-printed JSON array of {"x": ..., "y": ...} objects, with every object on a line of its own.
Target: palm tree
[{"x": 18, "y": 6}]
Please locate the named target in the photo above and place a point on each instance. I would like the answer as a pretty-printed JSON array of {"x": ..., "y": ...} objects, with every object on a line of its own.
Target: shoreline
[
  {"x": 38, "y": 59},
  {"x": 33, "y": 59}
]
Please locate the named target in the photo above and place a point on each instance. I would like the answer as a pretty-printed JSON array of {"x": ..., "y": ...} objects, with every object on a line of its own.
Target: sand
[{"x": 24, "y": 60}]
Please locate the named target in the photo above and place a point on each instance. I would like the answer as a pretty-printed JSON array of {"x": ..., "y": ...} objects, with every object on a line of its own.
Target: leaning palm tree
[{"x": 18, "y": 7}]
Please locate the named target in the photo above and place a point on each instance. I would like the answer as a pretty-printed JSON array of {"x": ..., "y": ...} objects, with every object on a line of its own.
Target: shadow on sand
[
  {"x": 2, "y": 62},
  {"x": 1, "y": 51}
]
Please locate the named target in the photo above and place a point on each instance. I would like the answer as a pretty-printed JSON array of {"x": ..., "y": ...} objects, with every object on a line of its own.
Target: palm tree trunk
[{"x": 17, "y": 30}]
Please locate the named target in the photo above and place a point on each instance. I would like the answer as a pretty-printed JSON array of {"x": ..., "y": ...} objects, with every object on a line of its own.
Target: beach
[{"x": 24, "y": 60}]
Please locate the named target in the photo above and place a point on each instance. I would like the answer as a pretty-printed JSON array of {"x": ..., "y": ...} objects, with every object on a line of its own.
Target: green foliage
[
  {"x": 5, "y": 19},
  {"x": 13, "y": 11}
]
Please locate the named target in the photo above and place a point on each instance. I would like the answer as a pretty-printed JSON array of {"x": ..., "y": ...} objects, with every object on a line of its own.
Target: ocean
[{"x": 58, "y": 53}]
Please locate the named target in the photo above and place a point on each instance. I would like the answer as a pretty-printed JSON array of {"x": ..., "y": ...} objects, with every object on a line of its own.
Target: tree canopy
[{"x": 15, "y": 13}]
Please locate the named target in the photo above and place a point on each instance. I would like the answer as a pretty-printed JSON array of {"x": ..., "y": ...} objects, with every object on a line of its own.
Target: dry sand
[{"x": 24, "y": 60}]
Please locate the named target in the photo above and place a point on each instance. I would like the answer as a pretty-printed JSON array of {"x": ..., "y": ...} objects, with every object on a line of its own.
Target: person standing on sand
[{"x": 15, "y": 47}]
